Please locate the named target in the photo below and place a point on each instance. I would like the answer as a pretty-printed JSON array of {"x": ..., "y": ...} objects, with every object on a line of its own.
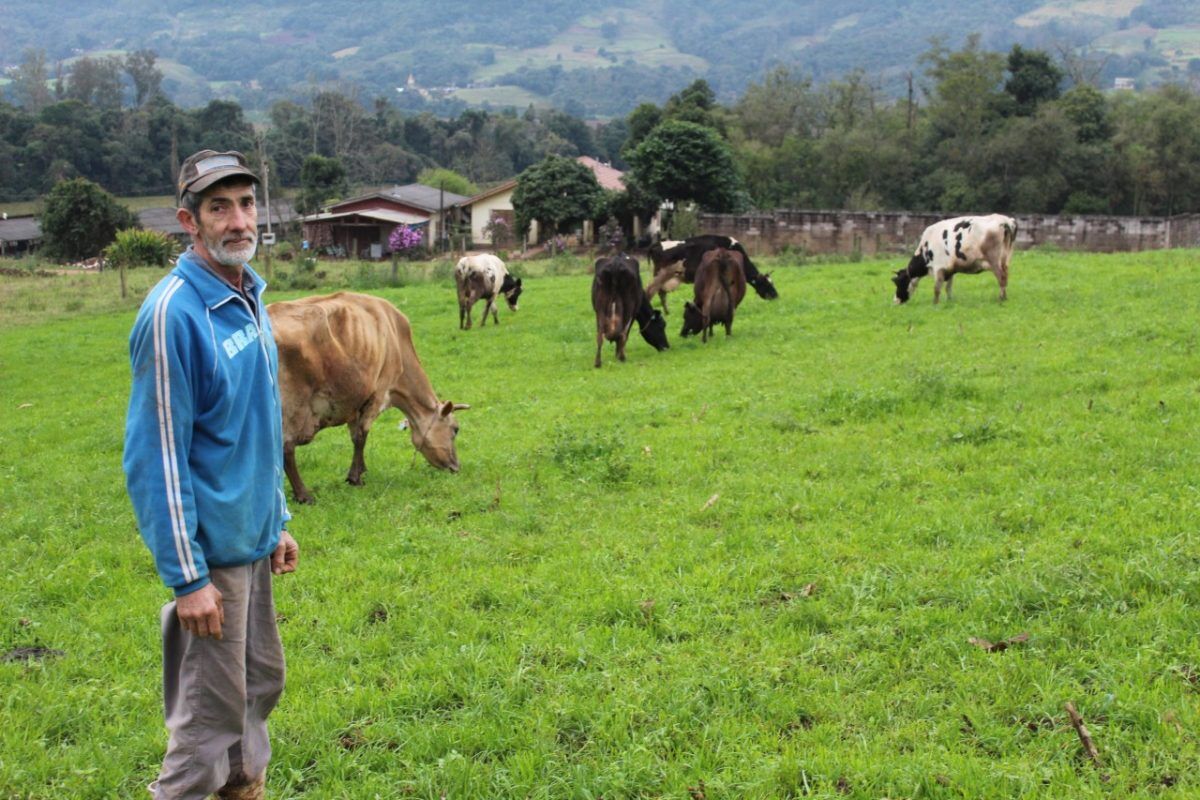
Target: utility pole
[
  {"x": 442, "y": 215},
  {"x": 269, "y": 239}
]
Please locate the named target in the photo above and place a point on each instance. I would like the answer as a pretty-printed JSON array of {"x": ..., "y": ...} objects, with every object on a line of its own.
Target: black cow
[
  {"x": 665, "y": 254},
  {"x": 618, "y": 299}
]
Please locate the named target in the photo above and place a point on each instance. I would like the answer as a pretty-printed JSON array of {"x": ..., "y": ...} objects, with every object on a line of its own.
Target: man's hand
[
  {"x": 201, "y": 612},
  {"x": 286, "y": 554}
]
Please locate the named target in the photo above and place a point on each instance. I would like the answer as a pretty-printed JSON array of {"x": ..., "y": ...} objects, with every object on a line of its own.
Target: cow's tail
[
  {"x": 612, "y": 320},
  {"x": 724, "y": 266},
  {"x": 1010, "y": 232}
]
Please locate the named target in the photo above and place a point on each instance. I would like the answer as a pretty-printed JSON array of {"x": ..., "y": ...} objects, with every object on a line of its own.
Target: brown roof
[{"x": 606, "y": 176}]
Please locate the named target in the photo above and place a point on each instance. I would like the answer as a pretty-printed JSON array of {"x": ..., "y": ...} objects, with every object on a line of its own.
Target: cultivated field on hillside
[{"x": 747, "y": 569}]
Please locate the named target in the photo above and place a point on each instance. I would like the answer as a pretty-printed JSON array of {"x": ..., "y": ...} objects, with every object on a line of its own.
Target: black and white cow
[
  {"x": 667, "y": 278},
  {"x": 960, "y": 245},
  {"x": 618, "y": 300},
  {"x": 482, "y": 277}
]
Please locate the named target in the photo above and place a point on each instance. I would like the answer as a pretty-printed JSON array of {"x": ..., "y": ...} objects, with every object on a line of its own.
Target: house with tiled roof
[
  {"x": 497, "y": 202},
  {"x": 361, "y": 225}
]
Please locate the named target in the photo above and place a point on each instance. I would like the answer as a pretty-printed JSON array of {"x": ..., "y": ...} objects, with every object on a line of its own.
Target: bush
[
  {"x": 139, "y": 248},
  {"x": 81, "y": 219}
]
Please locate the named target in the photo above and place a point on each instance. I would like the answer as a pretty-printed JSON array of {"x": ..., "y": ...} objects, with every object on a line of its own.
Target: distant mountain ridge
[{"x": 590, "y": 60}]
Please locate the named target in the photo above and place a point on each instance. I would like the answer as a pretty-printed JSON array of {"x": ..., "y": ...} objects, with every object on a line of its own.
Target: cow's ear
[{"x": 447, "y": 408}]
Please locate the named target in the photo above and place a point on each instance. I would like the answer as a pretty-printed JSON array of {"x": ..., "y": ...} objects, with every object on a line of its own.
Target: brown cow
[
  {"x": 344, "y": 359},
  {"x": 720, "y": 287}
]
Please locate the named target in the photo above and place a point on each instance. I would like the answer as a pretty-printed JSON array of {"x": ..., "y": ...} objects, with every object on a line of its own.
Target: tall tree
[
  {"x": 683, "y": 161},
  {"x": 556, "y": 192},
  {"x": 96, "y": 82},
  {"x": 146, "y": 77},
  {"x": 30, "y": 86},
  {"x": 321, "y": 180},
  {"x": 1034, "y": 79}
]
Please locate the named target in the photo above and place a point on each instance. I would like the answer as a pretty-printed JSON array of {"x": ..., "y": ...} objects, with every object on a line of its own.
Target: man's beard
[{"x": 234, "y": 254}]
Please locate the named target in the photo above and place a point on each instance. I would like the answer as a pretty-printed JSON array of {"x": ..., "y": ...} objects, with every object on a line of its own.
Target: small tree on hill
[
  {"x": 80, "y": 219},
  {"x": 556, "y": 192}
]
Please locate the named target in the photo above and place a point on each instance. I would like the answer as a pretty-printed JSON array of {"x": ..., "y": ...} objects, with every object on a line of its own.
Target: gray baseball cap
[{"x": 205, "y": 168}]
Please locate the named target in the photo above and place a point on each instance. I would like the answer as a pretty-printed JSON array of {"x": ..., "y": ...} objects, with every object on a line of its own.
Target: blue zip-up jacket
[{"x": 204, "y": 436}]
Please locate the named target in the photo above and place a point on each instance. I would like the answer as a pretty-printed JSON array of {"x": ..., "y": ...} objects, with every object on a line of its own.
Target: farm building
[
  {"x": 497, "y": 202},
  {"x": 360, "y": 226},
  {"x": 19, "y": 235}
]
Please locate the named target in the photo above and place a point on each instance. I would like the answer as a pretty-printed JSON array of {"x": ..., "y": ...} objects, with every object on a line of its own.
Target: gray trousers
[{"x": 217, "y": 693}]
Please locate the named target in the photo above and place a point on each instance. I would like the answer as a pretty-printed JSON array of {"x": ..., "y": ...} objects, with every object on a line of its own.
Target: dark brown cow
[
  {"x": 618, "y": 299},
  {"x": 344, "y": 359},
  {"x": 720, "y": 287}
]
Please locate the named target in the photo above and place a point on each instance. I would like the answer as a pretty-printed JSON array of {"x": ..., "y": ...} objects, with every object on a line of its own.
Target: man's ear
[{"x": 187, "y": 221}]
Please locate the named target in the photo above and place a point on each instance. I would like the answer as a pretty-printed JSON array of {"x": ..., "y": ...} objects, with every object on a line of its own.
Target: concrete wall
[{"x": 896, "y": 232}]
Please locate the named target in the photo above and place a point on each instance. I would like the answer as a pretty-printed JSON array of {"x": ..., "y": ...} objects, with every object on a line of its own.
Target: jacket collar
[{"x": 213, "y": 290}]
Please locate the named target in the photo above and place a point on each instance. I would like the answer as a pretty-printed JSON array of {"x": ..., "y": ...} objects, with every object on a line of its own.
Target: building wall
[
  {"x": 896, "y": 232},
  {"x": 481, "y": 213}
]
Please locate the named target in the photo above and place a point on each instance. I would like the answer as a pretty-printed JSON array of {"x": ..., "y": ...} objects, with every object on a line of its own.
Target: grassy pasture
[{"x": 742, "y": 570}]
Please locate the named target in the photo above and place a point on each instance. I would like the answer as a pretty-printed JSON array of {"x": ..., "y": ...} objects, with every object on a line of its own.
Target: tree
[
  {"x": 29, "y": 85},
  {"x": 447, "y": 179},
  {"x": 81, "y": 219},
  {"x": 96, "y": 82},
  {"x": 321, "y": 179},
  {"x": 641, "y": 121},
  {"x": 556, "y": 192},
  {"x": 147, "y": 78},
  {"x": 684, "y": 161},
  {"x": 1033, "y": 79}
]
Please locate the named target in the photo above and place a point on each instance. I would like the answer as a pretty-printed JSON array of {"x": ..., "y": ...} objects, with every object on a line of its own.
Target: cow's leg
[
  {"x": 289, "y": 466},
  {"x": 462, "y": 315},
  {"x": 1002, "y": 279},
  {"x": 729, "y": 327},
  {"x": 662, "y": 298},
  {"x": 621, "y": 344},
  {"x": 358, "y": 465},
  {"x": 949, "y": 285},
  {"x": 939, "y": 279},
  {"x": 599, "y": 343}
]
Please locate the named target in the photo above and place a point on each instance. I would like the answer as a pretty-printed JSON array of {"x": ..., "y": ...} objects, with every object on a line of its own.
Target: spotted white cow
[
  {"x": 482, "y": 277},
  {"x": 960, "y": 245}
]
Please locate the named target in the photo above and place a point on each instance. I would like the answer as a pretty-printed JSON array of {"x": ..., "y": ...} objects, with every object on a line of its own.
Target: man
[{"x": 203, "y": 464}]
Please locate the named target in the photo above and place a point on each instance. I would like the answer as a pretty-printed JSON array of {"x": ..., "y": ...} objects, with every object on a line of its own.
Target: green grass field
[{"x": 750, "y": 569}]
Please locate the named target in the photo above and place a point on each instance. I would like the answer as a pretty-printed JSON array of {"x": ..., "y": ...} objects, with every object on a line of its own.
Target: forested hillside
[
  {"x": 587, "y": 59},
  {"x": 1003, "y": 131}
]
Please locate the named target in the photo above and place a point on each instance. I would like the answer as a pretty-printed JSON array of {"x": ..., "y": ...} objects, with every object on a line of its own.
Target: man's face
[{"x": 226, "y": 231}]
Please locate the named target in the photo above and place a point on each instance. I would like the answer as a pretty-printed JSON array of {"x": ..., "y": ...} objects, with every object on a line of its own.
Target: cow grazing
[
  {"x": 720, "y": 287},
  {"x": 483, "y": 277},
  {"x": 689, "y": 252},
  {"x": 619, "y": 299},
  {"x": 960, "y": 245},
  {"x": 344, "y": 359}
]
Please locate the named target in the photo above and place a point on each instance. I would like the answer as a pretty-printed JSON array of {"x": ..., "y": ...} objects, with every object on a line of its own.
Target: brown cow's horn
[{"x": 461, "y": 406}]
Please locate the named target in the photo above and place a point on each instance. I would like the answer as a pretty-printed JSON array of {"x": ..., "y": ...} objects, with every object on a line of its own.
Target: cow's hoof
[{"x": 306, "y": 500}]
